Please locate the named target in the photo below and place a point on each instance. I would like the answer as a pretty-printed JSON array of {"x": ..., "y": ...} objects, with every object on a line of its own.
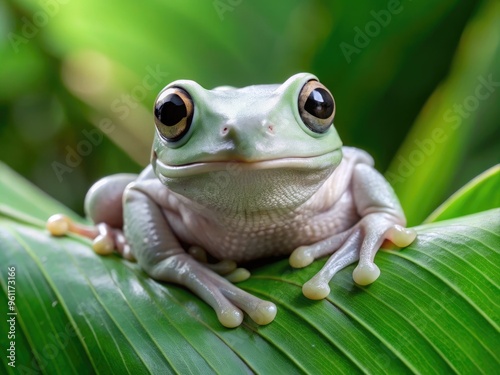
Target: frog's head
[{"x": 256, "y": 148}]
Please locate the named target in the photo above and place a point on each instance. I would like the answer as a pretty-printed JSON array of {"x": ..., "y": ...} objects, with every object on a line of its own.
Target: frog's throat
[{"x": 322, "y": 161}]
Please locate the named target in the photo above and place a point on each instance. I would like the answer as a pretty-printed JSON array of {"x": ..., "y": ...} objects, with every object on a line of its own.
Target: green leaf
[
  {"x": 433, "y": 310},
  {"x": 24, "y": 197},
  {"x": 480, "y": 194}
]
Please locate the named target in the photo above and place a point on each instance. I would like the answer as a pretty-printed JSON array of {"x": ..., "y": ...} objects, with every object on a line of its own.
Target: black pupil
[
  {"x": 319, "y": 103},
  {"x": 171, "y": 111}
]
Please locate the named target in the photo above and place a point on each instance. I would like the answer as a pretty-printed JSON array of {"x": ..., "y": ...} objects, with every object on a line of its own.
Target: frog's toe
[
  {"x": 305, "y": 255},
  {"x": 361, "y": 242},
  {"x": 110, "y": 239},
  {"x": 401, "y": 236},
  {"x": 376, "y": 228},
  {"x": 238, "y": 275},
  {"x": 58, "y": 225},
  {"x": 227, "y": 300},
  {"x": 365, "y": 274},
  {"x": 301, "y": 257},
  {"x": 207, "y": 287},
  {"x": 260, "y": 311},
  {"x": 104, "y": 238},
  {"x": 230, "y": 317},
  {"x": 263, "y": 313},
  {"x": 103, "y": 245},
  {"x": 316, "y": 288}
]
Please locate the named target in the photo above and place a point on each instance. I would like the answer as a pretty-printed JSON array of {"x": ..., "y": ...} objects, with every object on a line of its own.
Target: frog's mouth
[
  {"x": 235, "y": 187},
  {"x": 329, "y": 160}
]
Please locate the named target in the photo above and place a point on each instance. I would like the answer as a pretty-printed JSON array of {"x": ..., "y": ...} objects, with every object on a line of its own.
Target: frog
[{"x": 244, "y": 174}]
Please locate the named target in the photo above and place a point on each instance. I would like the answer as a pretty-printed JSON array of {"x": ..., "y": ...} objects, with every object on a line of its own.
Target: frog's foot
[
  {"x": 227, "y": 268},
  {"x": 358, "y": 243},
  {"x": 105, "y": 239},
  {"x": 227, "y": 300}
]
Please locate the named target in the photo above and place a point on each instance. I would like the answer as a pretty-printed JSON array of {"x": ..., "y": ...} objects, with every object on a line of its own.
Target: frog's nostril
[{"x": 226, "y": 130}]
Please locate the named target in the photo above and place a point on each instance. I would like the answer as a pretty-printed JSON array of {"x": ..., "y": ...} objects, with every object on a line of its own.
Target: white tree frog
[{"x": 242, "y": 174}]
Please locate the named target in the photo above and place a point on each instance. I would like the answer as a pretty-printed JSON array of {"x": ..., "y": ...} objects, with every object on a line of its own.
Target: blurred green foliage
[{"x": 70, "y": 66}]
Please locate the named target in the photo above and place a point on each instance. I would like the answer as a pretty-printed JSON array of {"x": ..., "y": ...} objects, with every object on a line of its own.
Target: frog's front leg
[
  {"x": 381, "y": 218},
  {"x": 160, "y": 254}
]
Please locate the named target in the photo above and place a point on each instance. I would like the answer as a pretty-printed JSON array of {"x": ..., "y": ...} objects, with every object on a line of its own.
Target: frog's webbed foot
[
  {"x": 226, "y": 299},
  {"x": 104, "y": 238},
  {"x": 360, "y": 242},
  {"x": 227, "y": 268}
]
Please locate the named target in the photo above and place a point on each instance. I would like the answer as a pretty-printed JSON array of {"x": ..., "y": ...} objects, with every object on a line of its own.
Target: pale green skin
[{"x": 248, "y": 181}]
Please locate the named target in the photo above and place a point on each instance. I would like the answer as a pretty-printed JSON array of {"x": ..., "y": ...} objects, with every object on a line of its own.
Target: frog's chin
[{"x": 249, "y": 186}]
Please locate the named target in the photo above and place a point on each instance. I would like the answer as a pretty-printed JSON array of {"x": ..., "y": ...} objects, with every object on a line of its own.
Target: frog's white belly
[{"x": 244, "y": 239}]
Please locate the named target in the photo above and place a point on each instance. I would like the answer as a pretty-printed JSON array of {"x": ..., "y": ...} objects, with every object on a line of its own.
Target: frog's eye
[
  {"x": 173, "y": 113},
  {"x": 316, "y": 107}
]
